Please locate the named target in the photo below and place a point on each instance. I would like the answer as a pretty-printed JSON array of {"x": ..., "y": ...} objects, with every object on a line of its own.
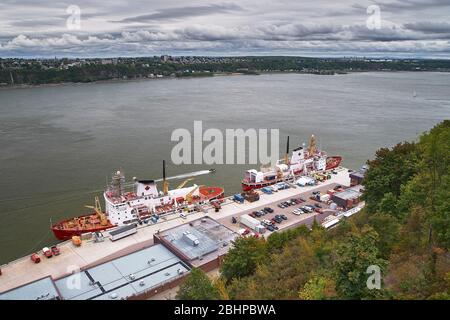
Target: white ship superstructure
[
  {"x": 302, "y": 161},
  {"x": 123, "y": 207}
]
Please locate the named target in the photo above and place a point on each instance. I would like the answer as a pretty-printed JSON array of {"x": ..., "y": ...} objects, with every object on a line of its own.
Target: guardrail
[{"x": 330, "y": 223}]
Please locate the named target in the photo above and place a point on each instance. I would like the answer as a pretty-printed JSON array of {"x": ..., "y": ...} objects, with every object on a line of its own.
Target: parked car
[
  {"x": 302, "y": 199},
  {"x": 283, "y": 216},
  {"x": 268, "y": 209},
  {"x": 55, "y": 250},
  {"x": 233, "y": 220},
  {"x": 47, "y": 252},
  {"x": 252, "y": 214},
  {"x": 317, "y": 205},
  {"x": 270, "y": 228},
  {"x": 258, "y": 213},
  {"x": 35, "y": 258}
]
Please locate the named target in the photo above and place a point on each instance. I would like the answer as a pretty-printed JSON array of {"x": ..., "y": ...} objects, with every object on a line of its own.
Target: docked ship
[
  {"x": 302, "y": 161},
  {"x": 135, "y": 202}
]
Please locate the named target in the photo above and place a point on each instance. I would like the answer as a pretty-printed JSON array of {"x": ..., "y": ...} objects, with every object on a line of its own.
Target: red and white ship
[
  {"x": 138, "y": 203},
  {"x": 302, "y": 161}
]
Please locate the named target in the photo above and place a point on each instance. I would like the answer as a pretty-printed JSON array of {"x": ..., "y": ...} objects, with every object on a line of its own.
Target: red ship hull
[
  {"x": 332, "y": 162},
  {"x": 65, "y": 230}
]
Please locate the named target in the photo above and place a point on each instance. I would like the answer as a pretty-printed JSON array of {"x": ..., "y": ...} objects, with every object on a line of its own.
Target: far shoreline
[{"x": 216, "y": 74}]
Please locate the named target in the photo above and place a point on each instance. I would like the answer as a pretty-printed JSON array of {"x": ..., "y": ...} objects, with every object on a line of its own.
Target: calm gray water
[{"x": 58, "y": 144}]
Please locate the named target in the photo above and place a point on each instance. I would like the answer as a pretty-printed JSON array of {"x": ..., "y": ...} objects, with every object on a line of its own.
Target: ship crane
[
  {"x": 98, "y": 210},
  {"x": 181, "y": 185},
  {"x": 312, "y": 146},
  {"x": 189, "y": 195}
]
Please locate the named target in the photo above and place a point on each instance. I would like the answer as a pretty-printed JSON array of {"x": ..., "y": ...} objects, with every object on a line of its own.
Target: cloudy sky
[{"x": 395, "y": 28}]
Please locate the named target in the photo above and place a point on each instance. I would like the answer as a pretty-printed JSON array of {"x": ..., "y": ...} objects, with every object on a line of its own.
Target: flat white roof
[
  {"x": 43, "y": 289},
  {"x": 123, "y": 277}
]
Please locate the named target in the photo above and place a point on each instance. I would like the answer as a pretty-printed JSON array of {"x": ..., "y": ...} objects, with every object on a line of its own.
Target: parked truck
[
  {"x": 252, "y": 223},
  {"x": 238, "y": 198}
]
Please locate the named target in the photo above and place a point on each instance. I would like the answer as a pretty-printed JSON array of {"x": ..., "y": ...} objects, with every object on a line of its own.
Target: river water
[{"x": 58, "y": 144}]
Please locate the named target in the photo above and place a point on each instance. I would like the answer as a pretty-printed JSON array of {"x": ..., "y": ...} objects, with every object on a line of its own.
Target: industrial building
[
  {"x": 357, "y": 177},
  {"x": 348, "y": 198},
  {"x": 201, "y": 243}
]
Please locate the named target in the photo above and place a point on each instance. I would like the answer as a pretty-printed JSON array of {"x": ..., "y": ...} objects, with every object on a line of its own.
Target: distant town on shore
[{"x": 21, "y": 71}]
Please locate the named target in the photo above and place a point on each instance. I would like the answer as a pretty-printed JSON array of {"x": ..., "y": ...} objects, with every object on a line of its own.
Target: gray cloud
[
  {"x": 183, "y": 12},
  {"x": 429, "y": 27},
  {"x": 316, "y": 27}
]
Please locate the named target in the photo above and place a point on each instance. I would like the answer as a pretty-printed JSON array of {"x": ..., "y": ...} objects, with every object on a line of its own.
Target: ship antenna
[{"x": 287, "y": 151}]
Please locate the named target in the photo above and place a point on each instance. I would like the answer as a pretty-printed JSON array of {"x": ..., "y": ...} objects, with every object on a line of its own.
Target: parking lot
[{"x": 292, "y": 219}]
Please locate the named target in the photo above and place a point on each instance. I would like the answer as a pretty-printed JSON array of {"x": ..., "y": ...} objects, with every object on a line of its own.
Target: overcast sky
[{"x": 44, "y": 28}]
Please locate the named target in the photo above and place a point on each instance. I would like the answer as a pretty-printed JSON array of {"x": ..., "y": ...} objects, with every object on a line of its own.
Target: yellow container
[{"x": 76, "y": 240}]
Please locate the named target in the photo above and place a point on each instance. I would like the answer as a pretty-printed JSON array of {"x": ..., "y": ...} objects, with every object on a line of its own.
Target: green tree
[
  {"x": 197, "y": 286},
  {"x": 354, "y": 257},
  {"x": 390, "y": 169},
  {"x": 318, "y": 288},
  {"x": 388, "y": 204},
  {"x": 440, "y": 218},
  {"x": 243, "y": 258},
  {"x": 387, "y": 228}
]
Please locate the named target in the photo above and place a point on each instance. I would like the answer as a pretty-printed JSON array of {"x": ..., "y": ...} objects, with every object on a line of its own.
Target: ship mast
[
  {"x": 165, "y": 183},
  {"x": 286, "y": 157}
]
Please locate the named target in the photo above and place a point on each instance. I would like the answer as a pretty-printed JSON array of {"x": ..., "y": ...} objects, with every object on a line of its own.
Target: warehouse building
[
  {"x": 201, "y": 243},
  {"x": 348, "y": 198}
]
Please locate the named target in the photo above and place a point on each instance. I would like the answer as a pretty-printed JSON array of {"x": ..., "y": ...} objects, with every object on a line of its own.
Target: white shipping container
[
  {"x": 122, "y": 232},
  {"x": 252, "y": 223}
]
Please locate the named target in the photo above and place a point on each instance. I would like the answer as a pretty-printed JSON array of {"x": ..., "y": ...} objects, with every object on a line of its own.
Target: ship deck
[{"x": 90, "y": 253}]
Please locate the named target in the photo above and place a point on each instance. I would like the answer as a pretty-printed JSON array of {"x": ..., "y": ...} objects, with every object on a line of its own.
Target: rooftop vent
[{"x": 113, "y": 295}]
